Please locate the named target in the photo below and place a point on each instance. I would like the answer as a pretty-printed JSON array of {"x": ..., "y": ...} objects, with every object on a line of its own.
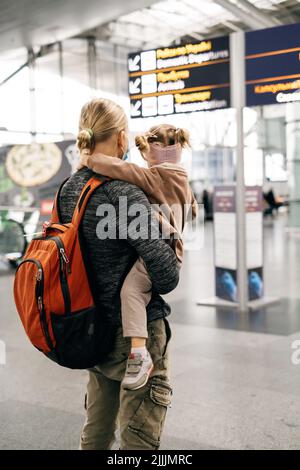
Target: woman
[{"x": 141, "y": 413}]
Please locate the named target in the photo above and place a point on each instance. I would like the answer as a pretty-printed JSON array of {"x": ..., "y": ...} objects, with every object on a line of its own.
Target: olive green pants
[{"x": 138, "y": 414}]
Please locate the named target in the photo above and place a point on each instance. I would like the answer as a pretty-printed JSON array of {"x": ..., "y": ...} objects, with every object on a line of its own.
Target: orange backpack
[{"x": 53, "y": 294}]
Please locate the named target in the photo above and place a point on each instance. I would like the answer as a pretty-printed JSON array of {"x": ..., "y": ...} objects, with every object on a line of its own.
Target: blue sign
[{"x": 273, "y": 65}]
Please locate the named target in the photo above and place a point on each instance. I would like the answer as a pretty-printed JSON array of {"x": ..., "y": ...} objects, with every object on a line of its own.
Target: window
[{"x": 275, "y": 167}]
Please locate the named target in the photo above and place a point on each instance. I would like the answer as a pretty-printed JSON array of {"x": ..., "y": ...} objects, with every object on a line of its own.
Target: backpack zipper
[
  {"x": 64, "y": 266},
  {"x": 39, "y": 292}
]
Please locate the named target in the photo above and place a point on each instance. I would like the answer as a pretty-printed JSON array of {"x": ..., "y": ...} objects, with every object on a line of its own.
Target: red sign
[{"x": 46, "y": 206}]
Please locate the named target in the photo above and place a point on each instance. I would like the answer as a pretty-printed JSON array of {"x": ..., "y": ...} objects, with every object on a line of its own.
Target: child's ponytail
[
  {"x": 182, "y": 136},
  {"x": 142, "y": 143},
  {"x": 165, "y": 135}
]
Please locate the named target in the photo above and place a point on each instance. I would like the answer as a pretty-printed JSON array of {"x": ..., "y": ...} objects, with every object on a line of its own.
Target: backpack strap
[
  {"x": 55, "y": 215},
  {"x": 88, "y": 189}
]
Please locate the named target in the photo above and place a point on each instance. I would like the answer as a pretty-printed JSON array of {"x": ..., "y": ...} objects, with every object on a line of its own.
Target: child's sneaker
[{"x": 138, "y": 370}]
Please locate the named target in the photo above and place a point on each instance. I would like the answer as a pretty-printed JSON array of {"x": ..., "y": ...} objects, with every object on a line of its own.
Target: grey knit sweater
[{"x": 111, "y": 260}]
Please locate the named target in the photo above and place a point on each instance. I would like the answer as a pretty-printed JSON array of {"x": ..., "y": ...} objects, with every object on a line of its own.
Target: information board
[
  {"x": 225, "y": 242},
  {"x": 273, "y": 65},
  {"x": 180, "y": 79}
]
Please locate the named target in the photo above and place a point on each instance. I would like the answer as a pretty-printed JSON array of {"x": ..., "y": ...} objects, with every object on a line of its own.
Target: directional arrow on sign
[
  {"x": 134, "y": 87},
  {"x": 135, "y": 108},
  {"x": 133, "y": 63}
]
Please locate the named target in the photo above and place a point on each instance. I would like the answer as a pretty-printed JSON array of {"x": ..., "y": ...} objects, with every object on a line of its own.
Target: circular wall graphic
[{"x": 33, "y": 165}]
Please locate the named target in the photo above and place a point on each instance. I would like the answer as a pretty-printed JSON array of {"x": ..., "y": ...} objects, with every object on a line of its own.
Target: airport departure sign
[
  {"x": 180, "y": 79},
  {"x": 273, "y": 65}
]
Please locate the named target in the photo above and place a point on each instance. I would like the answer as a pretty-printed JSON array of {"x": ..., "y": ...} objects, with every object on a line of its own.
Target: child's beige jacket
[{"x": 165, "y": 184}]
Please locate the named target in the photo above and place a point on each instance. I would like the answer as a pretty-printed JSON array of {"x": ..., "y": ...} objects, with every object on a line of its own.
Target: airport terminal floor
[{"x": 235, "y": 386}]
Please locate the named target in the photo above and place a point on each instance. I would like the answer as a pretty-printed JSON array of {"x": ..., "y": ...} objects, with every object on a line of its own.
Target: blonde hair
[
  {"x": 99, "y": 119},
  {"x": 165, "y": 134}
]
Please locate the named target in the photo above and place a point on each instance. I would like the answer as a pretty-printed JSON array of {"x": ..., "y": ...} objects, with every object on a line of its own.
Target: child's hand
[{"x": 84, "y": 157}]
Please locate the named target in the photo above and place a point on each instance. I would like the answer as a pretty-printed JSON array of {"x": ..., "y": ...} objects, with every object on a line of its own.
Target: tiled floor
[{"x": 235, "y": 386}]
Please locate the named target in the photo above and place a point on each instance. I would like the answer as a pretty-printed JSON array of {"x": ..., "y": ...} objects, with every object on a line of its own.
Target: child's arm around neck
[{"x": 116, "y": 168}]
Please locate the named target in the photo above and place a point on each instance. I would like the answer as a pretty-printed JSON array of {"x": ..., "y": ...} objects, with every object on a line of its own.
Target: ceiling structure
[
  {"x": 135, "y": 23},
  {"x": 29, "y": 23},
  {"x": 60, "y": 32},
  {"x": 172, "y": 21},
  {"x": 120, "y": 27}
]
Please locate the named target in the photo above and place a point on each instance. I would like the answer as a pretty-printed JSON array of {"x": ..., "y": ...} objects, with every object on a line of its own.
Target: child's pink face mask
[{"x": 159, "y": 154}]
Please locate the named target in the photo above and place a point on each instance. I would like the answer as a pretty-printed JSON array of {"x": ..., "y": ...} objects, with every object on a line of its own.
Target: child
[{"x": 164, "y": 182}]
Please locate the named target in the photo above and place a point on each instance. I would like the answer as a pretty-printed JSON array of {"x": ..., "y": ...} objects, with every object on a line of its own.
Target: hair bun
[{"x": 84, "y": 139}]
